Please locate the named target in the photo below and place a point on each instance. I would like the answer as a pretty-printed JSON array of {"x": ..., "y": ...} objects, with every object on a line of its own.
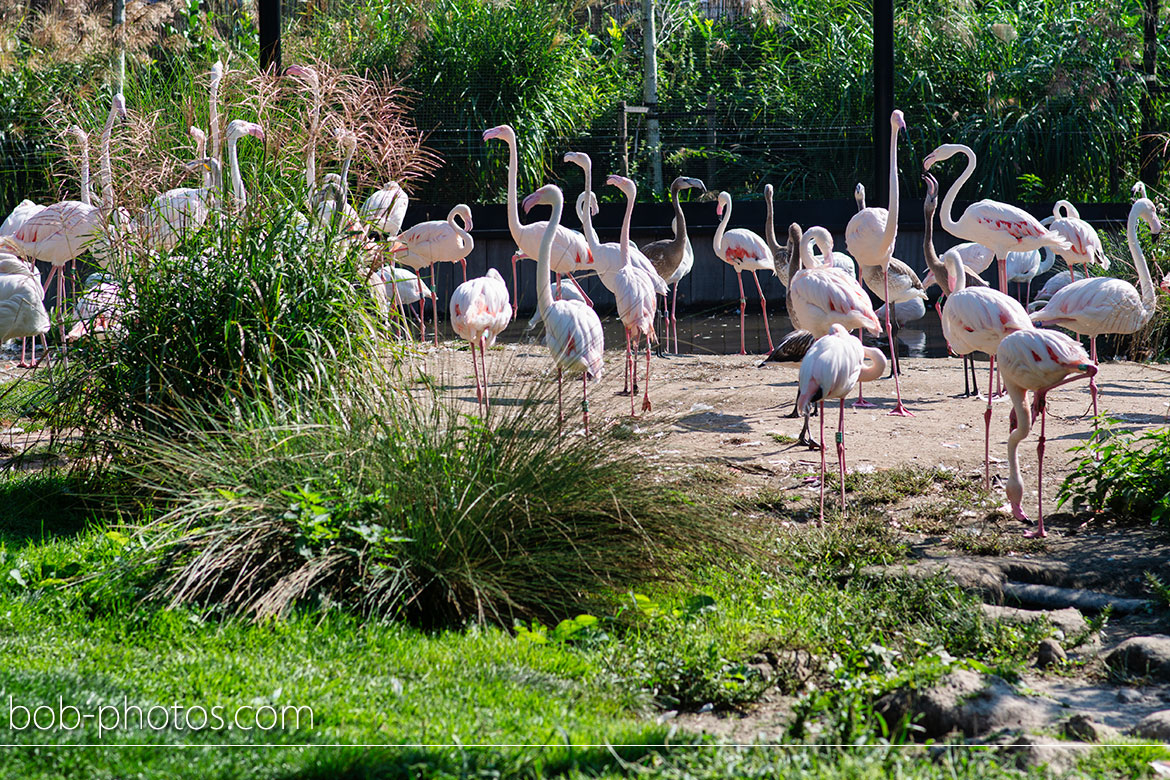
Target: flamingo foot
[
  {"x": 861, "y": 403},
  {"x": 645, "y": 403},
  {"x": 899, "y": 411},
  {"x": 1036, "y": 533}
]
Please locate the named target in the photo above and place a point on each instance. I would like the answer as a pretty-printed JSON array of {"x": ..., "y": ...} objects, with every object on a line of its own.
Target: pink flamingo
[
  {"x": 826, "y": 296},
  {"x": 569, "y": 254},
  {"x": 636, "y": 299},
  {"x": 1037, "y": 360},
  {"x": 480, "y": 311},
  {"x": 572, "y": 329},
  {"x": 976, "y": 319},
  {"x": 743, "y": 250},
  {"x": 830, "y": 369},
  {"x": 1000, "y": 227},
  {"x": 1086, "y": 247},
  {"x": 22, "y": 310},
  {"x": 870, "y": 237},
  {"x": 1102, "y": 304},
  {"x": 433, "y": 242},
  {"x": 385, "y": 209}
]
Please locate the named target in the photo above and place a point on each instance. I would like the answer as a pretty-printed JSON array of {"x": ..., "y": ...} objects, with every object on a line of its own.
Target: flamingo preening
[
  {"x": 830, "y": 369},
  {"x": 976, "y": 319},
  {"x": 870, "y": 237},
  {"x": 673, "y": 258},
  {"x": 636, "y": 300},
  {"x": 1102, "y": 304},
  {"x": 823, "y": 296},
  {"x": 1085, "y": 245},
  {"x": 743, "y": 250},
  {"x": 436, "y": 241},
  {"x": 480, "y": 311},
  {"x": 572, "y": 330},
  {"x": 1037, "y": 360},
  {"x": 569, "y": 252}
]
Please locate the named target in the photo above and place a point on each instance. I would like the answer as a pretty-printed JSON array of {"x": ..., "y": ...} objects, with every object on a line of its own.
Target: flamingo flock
[{"x": 826, "y": 294}]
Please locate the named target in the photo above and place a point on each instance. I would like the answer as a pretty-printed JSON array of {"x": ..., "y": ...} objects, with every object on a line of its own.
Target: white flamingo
[
  {"x": 1036, "y": 360},
  {"x": 1085, "y": 245},
  {"x": 1102, "y": 304},
  {"x": 829, "y": 370},
  {"x": 436, "y": 241},
  {"x": 870, "y": 237},
  {"x": 743, "y": 250},
  {"x": 22, "y": 310},
  {"x": 83, "y": 141},
  {"x": 998, "y": 226},
  {"x": 180, "y": 211},
  {"x": 385, "y": 209},
  {"x": 237, "y": 129},
  {"x": 569, "y": 253},
  {"x": 636, "y": 300},
  {"x": 400, "y": 286},
  {"x": 826, "y": 296},
  {"x": 572, "y": 329},
  {"x": 976, "y": 319},
  {"x": 480, "y": 311}
]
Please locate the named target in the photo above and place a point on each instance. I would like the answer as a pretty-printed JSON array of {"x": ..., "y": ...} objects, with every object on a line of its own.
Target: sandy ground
[{"x": 721, "y": 409}]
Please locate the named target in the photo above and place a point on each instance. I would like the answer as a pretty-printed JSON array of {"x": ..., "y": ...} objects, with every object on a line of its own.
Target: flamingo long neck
[
  {"x": 314, "y": 127},
  {"x": 806, "y": 256},
  {"x": 587, "y": 218},
  {"x": 719, "y": 231},
  {"x": 680, "y": 224},
  {"x": 514, "y": 225},
  {"x": 956, "y": 273},
  {"x": 936, "y": 266},
  {"x": 461, "y": 230},
  {"x": 1149, "y": 300},
  {"x": 891, "y": 231},
  {"x": 86, "y": 196},
  {"x": 201, "y": 153},
  {"x": 769, "y": 225},
  {"x": 343, "y": 194},
  {"x": 949, "y": 200},
  {"x": 213, "y": 111},
  {"x": 237, "y": 181},
  {"x": 1015, "y": 486},
  {"x": 104, "y": 167},
  {"x": 544, "y": 296},
  {"x": 876, "y": 366},
  {"x": 624, "y": 240}
]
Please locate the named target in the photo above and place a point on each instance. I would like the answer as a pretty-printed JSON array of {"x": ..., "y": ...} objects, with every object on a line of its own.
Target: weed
[
  {"x": 992, "y": 542},
  {"x": 1127, "y": 473}
]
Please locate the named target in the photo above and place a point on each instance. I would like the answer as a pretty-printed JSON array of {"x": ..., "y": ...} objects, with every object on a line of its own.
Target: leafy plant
[{"x": 1127, "y": 473}]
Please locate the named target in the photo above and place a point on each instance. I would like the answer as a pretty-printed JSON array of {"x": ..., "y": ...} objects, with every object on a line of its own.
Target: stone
[
  {"x": 1031, "y": 751},
  {"x": 1053, "y": 597},
  {"x": 982, "y": 577},
  {"x": 1156, "y": 725},
  {"x": 967, "y": 702},
  {"x": 1143, "y": 656},
  {"x": 1069, "y": 621},
  {"x": 1050, "y": 653},
  {"x": 1084, "y": 729},
  {"x": 1129, "y": 696}
]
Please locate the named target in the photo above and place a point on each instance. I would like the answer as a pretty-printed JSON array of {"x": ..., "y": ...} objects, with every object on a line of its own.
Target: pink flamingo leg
[
  {"x": 674, "y": 317},
  {"x": 475, "y": 370},
  {"x": 515, "y": 286},
  {"x": 422, "y": 316},
  {"x": 1002, "y": 263},
  {"x": 580, "y": 289},
  {"x": 841, "y": 455},
  {"x": 822, "y": 520},
  {"x": 463, "y": 262},
  {"x": 585, "y": 400},
  {"x": 742, "y": 309},
  {"x": 627, "y": 374},
  {"x": 483, "y": 363},
  {"x": 558, "y": 292},
  {"x": 861, "y": 403},
  {"x": 434, "y": 304},
  {"x": 1093, "y": 378},
  {"x": 646, "y": 389},
  {"x": 899, "y": 410},
  {"x": 987, "y": 429},
  {"x": 764, "y": 309},
  {"x": 560, "y": 405},
  {"x": 1040, "y": 532}
]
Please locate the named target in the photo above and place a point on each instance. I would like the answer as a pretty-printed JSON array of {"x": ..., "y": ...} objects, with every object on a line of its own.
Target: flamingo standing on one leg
[
  {"x": 870, "y": 237},
  {"x": 743, "y": 250},
  {"x": 480, "y": 311},
  {"x": 572, "y": 329},
  {"x": 569, "y": 253},
  {"x": 1102, "y": 304},
  {"x": 977, "y": 319},
  {"x": 673, "y": 258},
  {"x": 830, "y": 369},
  {"x": 433, "y": 242},
  {"x": 636, "y": 299},
  {"x": 1037, "y": 360}
]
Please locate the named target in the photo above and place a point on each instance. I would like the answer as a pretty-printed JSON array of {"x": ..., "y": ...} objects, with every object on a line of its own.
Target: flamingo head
[
  {"x": 463, "y": 211},
  {"x": 688, "y": 182},
  {"x": 944, "y": 152},
  {"x": 898, "y": 120},
  {"x": 824, "y": 241},
  {"x": 724, "y": 202},
  {"x": 1144, "y": 208},
  {"x": 580, "y": 159},
  {"x": 768, "y": 191},
  {"x": 593, "y": 208},
  {"x": 79, "y": 134},
  {"x": 238, "y": 128},
  {"x": 209, "y": 164},
  {"x": 795, "y": 234},
  {"x": 199, "y": 136},
  {"x": 1164, "y": 285},
  {"x": 217, "y": 72},
  {"x": 347, "y": 139},
  {"x": 837, "y": 330},
  {"x": 546, "y": 195},
  {"x": 624, "y": 184},
  {"x": 500, "y": 131},
  {"x": 119, "y": 107},
  {"x": 931, "y": 190},
  {"x": 301, "y": 72},
  {"x": 859, "y": 195}
]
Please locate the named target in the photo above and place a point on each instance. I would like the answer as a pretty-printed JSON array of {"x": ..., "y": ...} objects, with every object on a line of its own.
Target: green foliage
[{"x": 1127, "y": 473}]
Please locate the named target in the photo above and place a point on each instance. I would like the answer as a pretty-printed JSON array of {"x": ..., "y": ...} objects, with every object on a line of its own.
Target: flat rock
[
  {"x": 1069, "y": 621},
  {"x": 1156, "y": 725},
  {"x": 967, "y": 702},
  {"x": 1053, "y": 597},
  {"x": 1147, "y": 656},
  {"x": 981, "y": 576},
  {"x": 1030, "y": 750},
  {"x": 1084, "y": 729}
]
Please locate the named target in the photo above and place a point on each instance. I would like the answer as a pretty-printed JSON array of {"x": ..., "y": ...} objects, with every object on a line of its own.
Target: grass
[{"x": 1126, "y": 473}]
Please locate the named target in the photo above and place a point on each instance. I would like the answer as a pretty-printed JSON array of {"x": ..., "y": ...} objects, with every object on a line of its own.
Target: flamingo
[
  {"x": 898, "y": 282},
  {"x": 998, "y": 226},
  {"x": 1086, "y": 244},
  {"x": 569, "y": 252},
  {"x": 833, "y": 365},
  {"x": 401, "y": 286},
  {"x": 1055, "y": 284},
  {"x": 217, "y": 73},
  {"x": 433, "y": 242},
  {"x": 743, "y": 250},
  {"x": 1102, "y": 304},
  {"x": 22, "y": 310},
  {"x": 179, "y": 211},
  {"x": 777, "y": 249},
  {"x": 636, "y": 299},
  {"x": 1037, "y": 360},
  {"x": 200, "y": 139},
  {"x": 313, "y": 81},
  {"x": 673, "y": 258},
  {"x": 385, "y": 209},
  {"x": 870, "y": 237},
  {"x": 975, "y": 258},
  {"x": 24, "y": 211},
  {"x": 237, "y": 129},
  {"x": 572, "y": 329},
  {"x": 480, "y": 311},
  {"x": 83, "y": 141},
  {"x": 99, "y": 306},
  {"x": 977, "y": 319}
]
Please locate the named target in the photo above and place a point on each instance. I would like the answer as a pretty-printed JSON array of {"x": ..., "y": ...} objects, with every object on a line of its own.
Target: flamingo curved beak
[{"x": 530, "y": 201}]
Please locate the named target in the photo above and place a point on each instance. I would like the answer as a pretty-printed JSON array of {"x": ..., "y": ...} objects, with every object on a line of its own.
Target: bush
[{"x": 1127, "y": 473}]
